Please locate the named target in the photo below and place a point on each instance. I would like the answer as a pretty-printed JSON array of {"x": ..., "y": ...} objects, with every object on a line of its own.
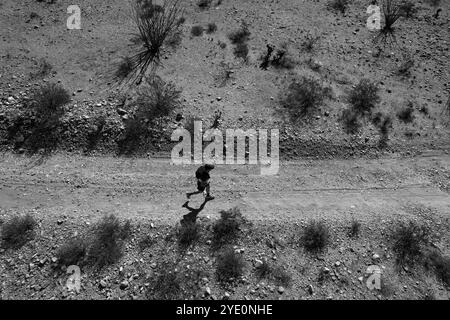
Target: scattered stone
[
  {"x": 124, "y": 284},
  {"x": 121, "y": 111},
  {"x": 103, "y": 284},
  {"x": 310, "y": 289},
  {"x": 258, "y": 263}
]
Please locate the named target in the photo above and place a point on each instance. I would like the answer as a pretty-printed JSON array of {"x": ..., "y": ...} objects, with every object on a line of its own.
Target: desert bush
[
  {"x": 364, "y": 97},
  {"x": 49, "y": 99},
  {"x": 17, "y": 231},
  {"x": 406, "y": 114},
  {"x": 241, "y": 35},
  {"x": 266, "y": 57},
  {"x": 315, "y": 236},
  {"x": 281, "y": 59},
  {"x": 409, "y": 242},
  {"x": 211, "y": 28},
  {"x": 172, "y": 283},
  {"x": 276, "y": 274},
  {"x": 124, "y": 68},
  {"x": 408, "y": 9},
  {"x": 204, "y": 4},
  {"x": 226, "y": 229},
  {"x": 106, "y": 245},
  {"x": 48, "y": 102},
  {"x": 167, "y": 285},
  {"x": 175, "y": 40},
  {"x": 241, "y": 51},
  {"x": 440, "y": 264},
  {"x": 392, "y": 12},
  {"x": 224, "y": 74},
  {"x": 230, "y": 265},
  {"x": 39, "y": 124},
  {"x": 309, "y": 42},
  {"x": 197, "y": 30},
  {"x": 281, "y": 277},
  {"x": 154, "y": 29},
  {"x": 95, "y": 133},
  {"x": 339, "y": 5},
  {"x": 433, "y": 3},
  {"x": 188, "y": 233},
  {"x": 355, "y": 229},
  {"x": 303, "y": 97},
  {"x": 405, "y": 67},
  {"x": 72, "y": 252},
  {"x": 351, "y": 122},
  {"x": 384, "y": 127},
  {"x": 148, "y": 9},
  {"x": 445, "y": 112},
  {"x": 156, "y": 98},
  {"x": 44, "y": 69},
  {"x": 264, "y": 270},
  {"x": 135, "y": 130},
  {"x": 34, "y": 15}
]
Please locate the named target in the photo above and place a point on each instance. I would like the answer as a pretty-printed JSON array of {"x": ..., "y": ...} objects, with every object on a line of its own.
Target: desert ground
[{"x": 343, "y": 201}]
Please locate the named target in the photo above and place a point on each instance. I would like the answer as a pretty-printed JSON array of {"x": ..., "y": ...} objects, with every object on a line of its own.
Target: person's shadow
[{"x": 191, "y": 217}]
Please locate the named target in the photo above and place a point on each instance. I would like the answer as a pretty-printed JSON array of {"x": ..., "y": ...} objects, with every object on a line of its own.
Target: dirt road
[{"x": 154, "y": 189}]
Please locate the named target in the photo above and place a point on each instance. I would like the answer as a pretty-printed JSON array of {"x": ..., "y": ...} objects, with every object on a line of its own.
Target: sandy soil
[{"x": 67, "y": 194}]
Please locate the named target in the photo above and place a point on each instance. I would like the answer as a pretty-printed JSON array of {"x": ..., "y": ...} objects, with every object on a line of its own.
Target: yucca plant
[
  {"x": 392, "y": 11},
  {"x": 154, "y": 30}
]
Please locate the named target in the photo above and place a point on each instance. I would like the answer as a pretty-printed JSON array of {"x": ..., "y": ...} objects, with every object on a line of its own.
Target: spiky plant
[
  {"x": 392, "y": 11},
  {"x": 153, "y": 31}
]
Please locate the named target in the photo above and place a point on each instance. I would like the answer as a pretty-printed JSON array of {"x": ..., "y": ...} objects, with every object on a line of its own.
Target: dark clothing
[
  {"x": 202, "y": 174},
  {"x": 201, "y": 186}
]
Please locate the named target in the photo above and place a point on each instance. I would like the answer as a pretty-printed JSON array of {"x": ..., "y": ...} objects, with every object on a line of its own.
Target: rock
[
  {"x": 226, "y": 296},
  {"x": 207, "y": 291},
  {"x": 310, "y": 289},
  {"x": 102, "y": 284},
  {"x": 121, "y": 111},
  {"x": 124, "y": 284},
  {"x": 337, "y": 264},
  {"x": 360, "y": 279},
  {"x": 258, "y": 263},
  {"x": 59, "y": 222},
  {"x": 376, "y": 257},
  {"x": 42, "y": 262},
  {"x": 179, "y": 117},
  {"x": 281, "y": 289}
]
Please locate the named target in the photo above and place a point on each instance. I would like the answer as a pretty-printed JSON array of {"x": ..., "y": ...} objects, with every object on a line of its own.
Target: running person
[{"x": 202, "y": 175}]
